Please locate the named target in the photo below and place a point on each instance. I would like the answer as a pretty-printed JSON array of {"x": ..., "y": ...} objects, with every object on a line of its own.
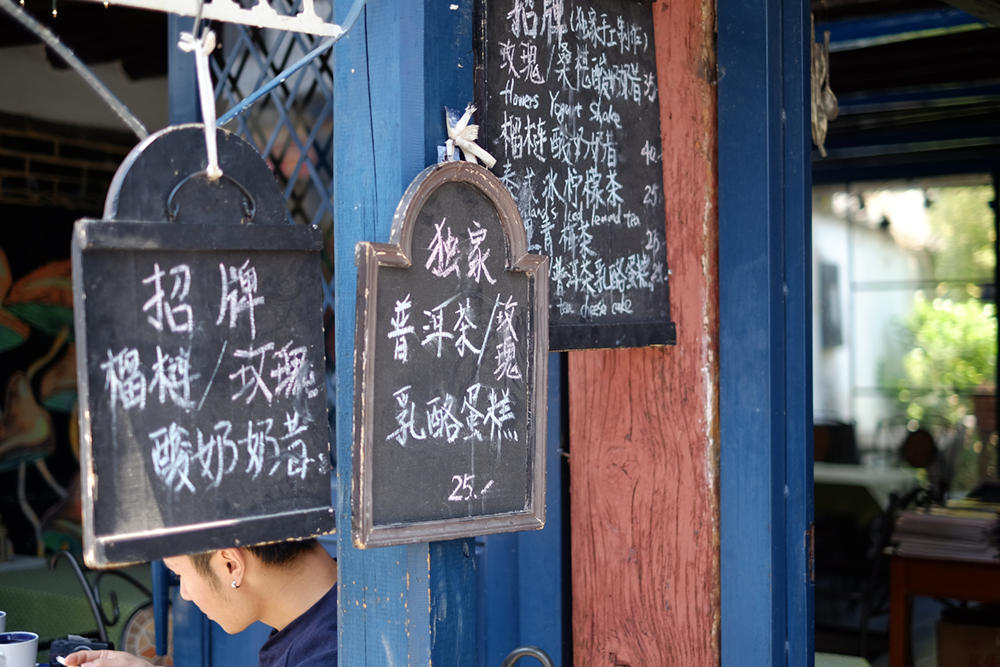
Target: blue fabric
[{"x": 310, "y": 640}]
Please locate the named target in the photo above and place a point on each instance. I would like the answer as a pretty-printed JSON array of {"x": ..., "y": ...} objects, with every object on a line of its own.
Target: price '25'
[{"x": 463, "y": 483}]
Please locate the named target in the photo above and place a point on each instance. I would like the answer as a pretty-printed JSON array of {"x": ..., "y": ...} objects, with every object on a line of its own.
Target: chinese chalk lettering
[
  {"x": 124, "y": 379},
  {"x": 257, "y": 442},
  {"x": 436, "y": 327},
  {"x": 405, "y": 418},
  {"x": 242, "y": 297},
  {"x": 212, "y": 455},
  {"x": 444, "y": 248},
  {"x": 172, "y": 376},
  {"x": 171, "y": 455},
  {"x": 400, "y": 329},
  {"x": 293, "y": 373},
  {"x": 251, "y": 377},
  {"x": 162, "y": 377},
  {"x": 179, "y": 318},
  {"x": 566, "y": 80}
]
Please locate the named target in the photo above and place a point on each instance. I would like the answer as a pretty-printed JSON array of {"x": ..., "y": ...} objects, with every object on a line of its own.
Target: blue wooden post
[
  {"x": 797, "y": 141},
  {"x": 765, "y": 341},
  {"x": 521, "y": 574},
  {"x": 182, "y": 99},
  {"x": 407, "y": 605},
  {"x": 192, "y": 629}
]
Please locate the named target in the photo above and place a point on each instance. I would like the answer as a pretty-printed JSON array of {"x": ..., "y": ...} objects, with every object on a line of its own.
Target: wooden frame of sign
[{"x": 472, "y": 461}]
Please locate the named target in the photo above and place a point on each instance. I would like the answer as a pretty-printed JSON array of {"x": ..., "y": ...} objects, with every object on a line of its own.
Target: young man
[{"x": 290, "y": 586}]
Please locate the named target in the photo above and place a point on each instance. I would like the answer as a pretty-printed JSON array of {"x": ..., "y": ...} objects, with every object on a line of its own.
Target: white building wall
[{"x": 879, "y": 269}]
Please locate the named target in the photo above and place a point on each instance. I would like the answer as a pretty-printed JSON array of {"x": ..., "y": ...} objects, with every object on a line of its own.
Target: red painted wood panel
[{"x": 644, "y": 423}]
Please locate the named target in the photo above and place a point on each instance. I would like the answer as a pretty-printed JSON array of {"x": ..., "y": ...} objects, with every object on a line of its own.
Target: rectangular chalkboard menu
[
  {"x": 567, "y": 94},
  {"x": 202, "y": 389}
]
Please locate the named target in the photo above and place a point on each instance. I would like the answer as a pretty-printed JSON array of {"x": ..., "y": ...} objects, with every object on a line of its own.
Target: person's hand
[{"x": 104, "y": 659}]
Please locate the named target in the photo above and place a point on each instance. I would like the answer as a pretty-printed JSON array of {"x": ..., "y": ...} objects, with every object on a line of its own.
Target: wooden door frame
[{"x": 765, "y": 333}]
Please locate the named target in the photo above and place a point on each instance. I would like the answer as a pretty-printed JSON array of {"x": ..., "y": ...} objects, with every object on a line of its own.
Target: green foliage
[
  {"x": 962, "y": 221},
  {"x": 953, "y": 350}
]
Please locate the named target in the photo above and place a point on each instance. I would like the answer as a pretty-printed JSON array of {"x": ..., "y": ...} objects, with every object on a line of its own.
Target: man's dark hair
[{"x": 277, "y": 554}]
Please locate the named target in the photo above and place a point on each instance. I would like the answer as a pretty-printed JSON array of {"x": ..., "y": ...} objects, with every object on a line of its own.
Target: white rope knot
[
  {"x": 464, "y": 136},
  {"x": 202, "y": 48}
]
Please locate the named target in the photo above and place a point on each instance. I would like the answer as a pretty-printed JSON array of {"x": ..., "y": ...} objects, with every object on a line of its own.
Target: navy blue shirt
[{"x": 308, "y": 641}]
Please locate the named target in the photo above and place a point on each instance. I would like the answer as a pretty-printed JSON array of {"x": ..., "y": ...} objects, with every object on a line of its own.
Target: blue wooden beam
[
  {"x": 764, "y": 296},
  {"x": 864, "y": 32},
  {"x": 406, "y": 605},
  {"x": 903, "y": 167},
  {"x": 921, "y": 98}
]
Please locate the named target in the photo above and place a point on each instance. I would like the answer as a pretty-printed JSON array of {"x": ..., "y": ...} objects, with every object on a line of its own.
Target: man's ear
[{"x": 235, "y": 563}]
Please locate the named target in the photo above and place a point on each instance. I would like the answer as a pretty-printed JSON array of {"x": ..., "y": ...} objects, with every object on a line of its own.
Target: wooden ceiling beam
[{"x": 987, "y": 10}]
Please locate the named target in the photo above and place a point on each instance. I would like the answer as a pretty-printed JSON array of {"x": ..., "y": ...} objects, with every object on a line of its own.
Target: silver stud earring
[{"x": 235, "y": 585}]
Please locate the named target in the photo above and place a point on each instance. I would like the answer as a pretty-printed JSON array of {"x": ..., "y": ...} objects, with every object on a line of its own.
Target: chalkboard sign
[
  {"x": 200, "y": 363},
  {"x": 450, "y": 372},
  {"x": 569, "y": 94}
]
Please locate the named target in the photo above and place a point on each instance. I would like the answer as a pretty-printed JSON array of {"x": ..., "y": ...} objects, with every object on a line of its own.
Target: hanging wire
[
  {"x": 67, "y": 54},
  {"x": 352, "y": 17}
]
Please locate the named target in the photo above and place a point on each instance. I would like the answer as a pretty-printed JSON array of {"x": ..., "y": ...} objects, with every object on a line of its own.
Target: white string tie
[
  {"x": 202, "y": 48},
  {"x": 464, "y": 136}
]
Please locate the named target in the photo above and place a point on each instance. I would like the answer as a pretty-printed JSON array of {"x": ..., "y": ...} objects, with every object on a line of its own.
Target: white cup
[
  {"x": 18, "y": 649},
  {"x": 3, "y": 621}
]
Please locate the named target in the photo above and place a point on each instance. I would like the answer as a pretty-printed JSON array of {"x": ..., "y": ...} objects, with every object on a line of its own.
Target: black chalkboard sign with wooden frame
[
  {"x": 200, "y": 360},
  {"x": 450, "y": 367},
  {"x": 568, "y": 96}
]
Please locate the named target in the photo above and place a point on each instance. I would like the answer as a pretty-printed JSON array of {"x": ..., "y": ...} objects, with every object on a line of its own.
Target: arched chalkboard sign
[
  {"x": 200, "y": 359},
  {"x": 450, "y": 367}
]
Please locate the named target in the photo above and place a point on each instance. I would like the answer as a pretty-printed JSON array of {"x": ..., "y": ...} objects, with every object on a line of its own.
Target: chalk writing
[
  {"x": 214, "y": 453},
  {"x": 179, "y": 317},
  {"x": 242, "y": 297},
  {"x": 172, "y": 377},
  {"x": 464, "y": 485},
  {"x": 124, "y": 379},
  {"x": 405, "y": 418},
  {"x": 251, "y": 377},
  {"x": 507, "y": 348},
  {"x": 435, "y": 326},
  {"x": 171, "y": 455},
  {"x": 574, "y": 125},
  {"x": 293, "y": 373},
  {"x": 477, "y": 258},
  {"x": 257, "y": 443},
  {"x": 444, "y": 248},
  {"x": 400, "y": 329},
  {"x": 188, "y": 456},
  {"x": 465, "y": 323}
]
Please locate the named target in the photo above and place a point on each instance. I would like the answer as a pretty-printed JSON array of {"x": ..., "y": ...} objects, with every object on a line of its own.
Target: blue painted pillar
[
  {"x": 192, "y": 629},
  {"x": 408, "y": 605},
  {"x": 523, "y": 577},
  {"x": 181, "y": 77},
  {"x": 765, "y": 332}
]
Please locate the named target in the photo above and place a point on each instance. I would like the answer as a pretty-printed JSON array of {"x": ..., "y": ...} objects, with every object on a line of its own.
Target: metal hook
[
  {"x": 249, "y": 205},
  {"x": 527, "y": 651}
]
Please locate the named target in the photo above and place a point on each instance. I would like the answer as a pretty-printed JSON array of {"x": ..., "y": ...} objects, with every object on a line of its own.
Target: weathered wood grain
[{"x": 644, "y": 422}]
